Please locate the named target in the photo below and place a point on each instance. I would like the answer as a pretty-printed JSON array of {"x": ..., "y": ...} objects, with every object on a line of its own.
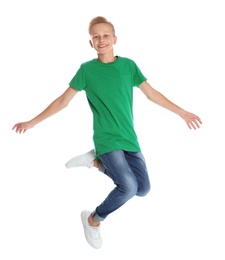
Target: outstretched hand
[
  {"x": 22, "y": 127},
  {"x": 192, "y": 121}
]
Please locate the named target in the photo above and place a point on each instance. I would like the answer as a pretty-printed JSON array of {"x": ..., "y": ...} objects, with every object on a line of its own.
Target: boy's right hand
[{"x": 22, "y": 127}]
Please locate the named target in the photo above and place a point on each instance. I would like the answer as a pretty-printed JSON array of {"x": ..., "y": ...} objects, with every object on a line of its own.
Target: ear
[
  {"x": 91, "y": 43},
  {"x": 114, "y": 39}
]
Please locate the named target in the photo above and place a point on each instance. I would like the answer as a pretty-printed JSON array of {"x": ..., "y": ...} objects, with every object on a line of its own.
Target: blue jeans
[{"x": 130, "y": 176}]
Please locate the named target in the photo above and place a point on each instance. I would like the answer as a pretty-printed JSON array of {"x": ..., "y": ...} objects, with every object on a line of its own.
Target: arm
[
  {"x": 191, "y": 119},
  {"x": 57, "y": 105}
]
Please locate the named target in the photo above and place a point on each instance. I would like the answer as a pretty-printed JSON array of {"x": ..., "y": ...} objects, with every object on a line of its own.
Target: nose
[{"x": 101, "y": 39}]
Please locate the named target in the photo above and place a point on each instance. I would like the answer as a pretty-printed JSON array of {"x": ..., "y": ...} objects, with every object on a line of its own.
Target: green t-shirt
[{"x": 109, "y": 90}]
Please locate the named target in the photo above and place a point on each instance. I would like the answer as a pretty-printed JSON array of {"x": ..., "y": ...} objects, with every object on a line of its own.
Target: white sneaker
[
  {"x": 92, "y": 234},
  {"x": 86, "y": 160}
]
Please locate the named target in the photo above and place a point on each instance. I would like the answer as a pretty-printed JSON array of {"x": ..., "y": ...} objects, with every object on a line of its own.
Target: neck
[{"x": 106, "y": 58}]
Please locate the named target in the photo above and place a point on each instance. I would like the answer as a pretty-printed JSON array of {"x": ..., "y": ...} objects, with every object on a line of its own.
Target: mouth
[{"x": 102, "y": 46}]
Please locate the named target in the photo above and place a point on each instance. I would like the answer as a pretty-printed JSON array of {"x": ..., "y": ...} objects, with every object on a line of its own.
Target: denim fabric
[{"x": 130, "y": 176}]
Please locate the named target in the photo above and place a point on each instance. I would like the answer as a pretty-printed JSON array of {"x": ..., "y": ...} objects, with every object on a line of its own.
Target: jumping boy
[{"x": 108, "y": 82}]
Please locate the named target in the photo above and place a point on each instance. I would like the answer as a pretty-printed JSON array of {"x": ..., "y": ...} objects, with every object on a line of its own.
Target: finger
[
  {"x": 196, "y": 123},
  {"x": 19, "y": 130},
  {"x": 200, "y": 121},
  {"x": 14, "y": 127},
  {"x": 188, "y": 125},
  {"x": 192, "y": 126},
  {"x": 22, "y": 131}
]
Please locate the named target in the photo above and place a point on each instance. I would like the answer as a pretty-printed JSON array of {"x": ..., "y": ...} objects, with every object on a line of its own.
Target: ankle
[
  {"x": 96, "y": 163},
  {"x": 92, "y": 222}
]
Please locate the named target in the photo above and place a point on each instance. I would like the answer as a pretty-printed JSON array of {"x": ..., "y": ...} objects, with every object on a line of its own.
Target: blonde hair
[{"x": 97, "y": 20}]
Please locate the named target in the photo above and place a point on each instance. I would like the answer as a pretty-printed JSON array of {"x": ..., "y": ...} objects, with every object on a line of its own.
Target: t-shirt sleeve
[
  {"x": 78, "y": 81},
  {"x": 138, "y": 76}
]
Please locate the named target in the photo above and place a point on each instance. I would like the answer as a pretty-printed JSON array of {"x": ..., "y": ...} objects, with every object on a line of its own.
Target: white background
[{"x": 179, "y": 46}]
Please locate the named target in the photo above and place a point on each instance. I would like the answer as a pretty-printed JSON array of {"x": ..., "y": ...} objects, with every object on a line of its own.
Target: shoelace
[{"x": 96, "y": 232}]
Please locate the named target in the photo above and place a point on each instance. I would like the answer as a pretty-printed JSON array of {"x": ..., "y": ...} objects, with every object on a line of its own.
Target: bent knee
[
  {"x": 144, "y": 190},
  {"x": 130, "y": 191}
]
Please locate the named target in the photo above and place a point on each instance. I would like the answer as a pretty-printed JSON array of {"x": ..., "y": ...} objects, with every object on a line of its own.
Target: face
[{"x": 102, "y": 38}]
